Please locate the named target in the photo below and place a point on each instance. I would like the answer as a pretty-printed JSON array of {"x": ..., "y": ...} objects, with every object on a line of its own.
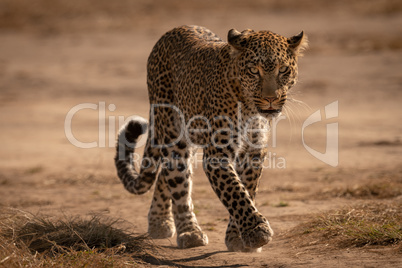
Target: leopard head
[{"x": 266, "y": 65}]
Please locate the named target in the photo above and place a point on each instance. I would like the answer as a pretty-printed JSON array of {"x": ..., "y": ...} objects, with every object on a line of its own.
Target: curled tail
[{"x": 126, "y": 143}]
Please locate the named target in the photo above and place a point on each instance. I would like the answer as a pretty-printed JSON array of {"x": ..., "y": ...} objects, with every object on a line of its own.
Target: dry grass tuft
[
  {"x": 368, "y": 224},
  {"x": 378, "y": 190},
  {"x": 31, "y": 240}
]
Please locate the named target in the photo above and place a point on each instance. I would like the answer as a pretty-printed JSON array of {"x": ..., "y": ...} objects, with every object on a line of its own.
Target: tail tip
[{"x": 133, "y": 128}]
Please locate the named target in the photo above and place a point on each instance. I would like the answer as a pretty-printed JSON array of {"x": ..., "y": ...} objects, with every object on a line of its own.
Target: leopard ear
[
  {"x": 238, "y": 39},
  {"x": 298, "y": 43}
]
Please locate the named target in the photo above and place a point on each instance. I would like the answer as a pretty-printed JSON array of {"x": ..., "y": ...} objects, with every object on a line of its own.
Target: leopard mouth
[
  {"x": 269, "y": 107},
  {"x": 269, "y": 111}
]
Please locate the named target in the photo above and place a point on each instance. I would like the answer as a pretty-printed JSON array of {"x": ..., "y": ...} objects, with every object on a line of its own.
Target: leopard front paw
[
  {"x": 258, "y": 236},
  {"x": 236, "y": 244}
]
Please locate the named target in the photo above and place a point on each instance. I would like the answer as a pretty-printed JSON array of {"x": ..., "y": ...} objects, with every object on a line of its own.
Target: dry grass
[
  {"x": 377, "y": 190},
  {"x": 37, "y": 241},
  {"x": 381, "y": 184},
  {"x": 362, "y": 225}
]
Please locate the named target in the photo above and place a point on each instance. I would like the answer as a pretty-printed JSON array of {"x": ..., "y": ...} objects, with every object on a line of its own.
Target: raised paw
[
  {"x": 159, "y": 229},
  {"x": 192, "y": 239},
  {"x": 258, "y": 236}
]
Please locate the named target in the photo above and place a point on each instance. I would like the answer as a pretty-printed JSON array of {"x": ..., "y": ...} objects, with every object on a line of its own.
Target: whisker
[
  {"x": 289, "y": 115},
  {"x": 296, "y": 114},
  {"x": 300, "y": 104}
]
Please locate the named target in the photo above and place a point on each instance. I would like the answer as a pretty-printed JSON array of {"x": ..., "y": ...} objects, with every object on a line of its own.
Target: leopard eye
[
  {"x": 283, "y": 69},
  {"x": 254, "y": 70}
]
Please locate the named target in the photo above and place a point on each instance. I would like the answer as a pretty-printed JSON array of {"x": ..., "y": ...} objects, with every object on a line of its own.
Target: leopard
[{"x": 218, "y": 97}]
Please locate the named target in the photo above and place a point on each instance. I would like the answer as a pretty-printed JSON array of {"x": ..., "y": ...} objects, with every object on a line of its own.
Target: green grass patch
[{"x": 281, "y": 204}]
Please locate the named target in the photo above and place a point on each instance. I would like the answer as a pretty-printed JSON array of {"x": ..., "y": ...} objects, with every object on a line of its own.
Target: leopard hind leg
[{"x": 160, "y": 217}]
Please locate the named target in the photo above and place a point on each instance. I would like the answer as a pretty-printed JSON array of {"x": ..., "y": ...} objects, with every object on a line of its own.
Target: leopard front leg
[
  {"x": 253, "y": 229},
  {"x": 249, "y": 169}
]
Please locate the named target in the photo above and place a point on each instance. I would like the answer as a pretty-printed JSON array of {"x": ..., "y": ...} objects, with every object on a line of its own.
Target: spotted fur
[{"x": 218, "y": 90}]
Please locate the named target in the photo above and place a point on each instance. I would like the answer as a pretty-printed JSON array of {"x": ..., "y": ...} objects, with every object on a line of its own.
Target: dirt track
[{"x": 50, "y": 64}]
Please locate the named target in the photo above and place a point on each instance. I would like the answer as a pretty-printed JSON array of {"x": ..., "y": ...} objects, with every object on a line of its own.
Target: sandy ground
[{"x": 51, "y": 64}]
